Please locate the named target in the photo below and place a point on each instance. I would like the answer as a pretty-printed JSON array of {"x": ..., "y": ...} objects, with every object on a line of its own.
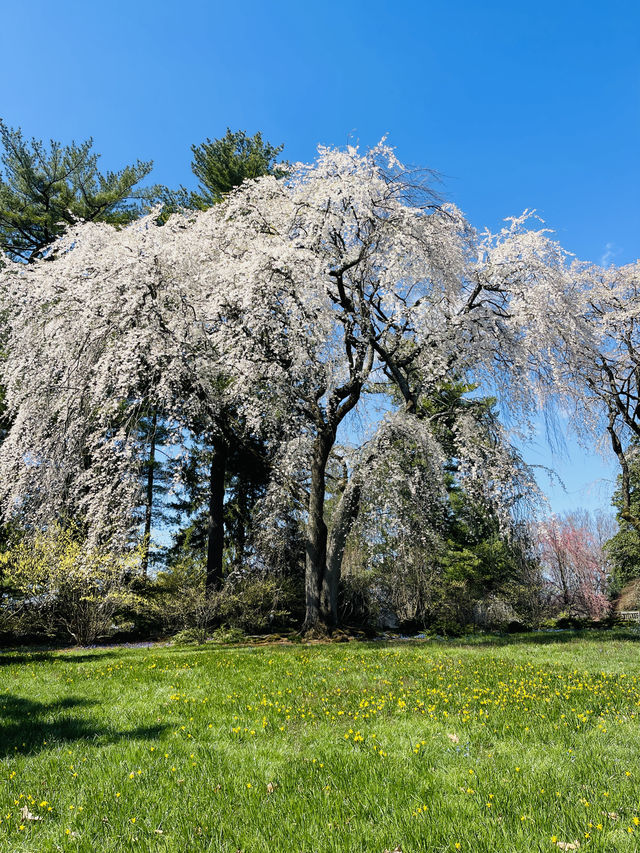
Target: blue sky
[{"x": 517, "y": 105}]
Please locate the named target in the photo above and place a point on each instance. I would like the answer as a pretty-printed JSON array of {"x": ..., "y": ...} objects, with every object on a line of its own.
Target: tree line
[{"x": 295, "y": 374}]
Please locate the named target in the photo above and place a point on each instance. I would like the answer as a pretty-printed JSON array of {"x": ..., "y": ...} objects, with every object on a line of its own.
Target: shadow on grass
[
  {"x": 28, "y": 726},
  {"x": 9, "y": 658}
]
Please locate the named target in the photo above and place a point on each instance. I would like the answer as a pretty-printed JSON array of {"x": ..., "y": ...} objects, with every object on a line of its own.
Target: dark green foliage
[
  {"x": 247, "y": 476},
  {"x": 46, "y": 188},
  {"x": 222, "y": 164},
  {"x": 477, "y": 555},
  {"x": 623, "y": 549}
]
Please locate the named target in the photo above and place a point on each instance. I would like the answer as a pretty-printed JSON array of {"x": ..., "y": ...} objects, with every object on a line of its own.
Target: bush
[
  {"x": 178, "y": 601},
  {"x": 249, "y": 603},
  {"x": 358, "y": 604},
  {"x": 227, "y": 636},
  {"x": 256, "y": 604},
  {"x": 495, "y": 614},
  {"x": 60, "y": 586}
]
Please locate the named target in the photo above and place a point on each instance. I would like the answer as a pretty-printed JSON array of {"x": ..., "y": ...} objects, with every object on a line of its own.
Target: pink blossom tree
[{"x": 575, "y": 565}]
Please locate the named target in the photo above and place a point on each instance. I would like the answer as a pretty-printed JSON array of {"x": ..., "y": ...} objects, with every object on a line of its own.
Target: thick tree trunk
[
  {"x": 215, "y": 527},
  {"x": 316, "y": 537},
  {"x": 343, "y": 520},
  {"x": 148, "y": 509}
]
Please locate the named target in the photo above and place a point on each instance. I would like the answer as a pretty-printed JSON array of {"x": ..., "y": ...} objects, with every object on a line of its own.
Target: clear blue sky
[{"x": 515, "y": 104}]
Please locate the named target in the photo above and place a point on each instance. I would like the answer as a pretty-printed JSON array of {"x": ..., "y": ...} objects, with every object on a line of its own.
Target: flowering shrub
[{"x": 58, "y": 585}]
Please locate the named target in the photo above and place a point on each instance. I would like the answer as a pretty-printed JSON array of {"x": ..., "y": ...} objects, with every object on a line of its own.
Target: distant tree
[
  {"x": 155, "y": 480},
  {"x": 575, "y": 565},
  {"x": 46, "y": 188},
  {"x": 246, "y": 478}
]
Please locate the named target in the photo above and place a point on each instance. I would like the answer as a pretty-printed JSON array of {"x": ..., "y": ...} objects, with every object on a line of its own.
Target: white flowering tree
[
  {"x": 98, "y": 339},
  {"x": 605, "y": 378},
  {"x": 345, "y": 274},
  {"x": 300, "y": 293},
  {"x": 112, "y": 335}
]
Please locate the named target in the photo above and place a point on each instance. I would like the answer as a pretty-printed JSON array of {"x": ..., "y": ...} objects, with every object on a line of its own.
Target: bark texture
[
  {"x": 316, "y": 537},
  {"x": 148, "y": 508},
  {"x": 344, "y": 518},
  {"x": 215, "y": 525}
]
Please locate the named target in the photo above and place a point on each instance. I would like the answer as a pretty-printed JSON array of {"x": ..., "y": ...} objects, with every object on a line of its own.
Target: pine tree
[
  {"x": 46, "y": 188},
  {"x": 222, "y": 164}
]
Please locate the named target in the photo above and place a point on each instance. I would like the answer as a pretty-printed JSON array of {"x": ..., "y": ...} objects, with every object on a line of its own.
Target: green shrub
[
  {"x": 190, "y": 636},
  {"x": 179, "y": 602},
  {"x": 255, "y": 604},
  {"x": 226, "y": 636},
  {"x": 252, "y": 604},
  {"x": 358, "y": 603}
]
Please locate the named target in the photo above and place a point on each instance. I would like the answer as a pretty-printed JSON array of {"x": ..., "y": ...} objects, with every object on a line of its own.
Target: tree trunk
[
  {"x": 241, "y": 533},
  {"x": 316, "y": 536},
  {"x": 148, "y": 510},
  {"x": 215, "y": 527},
  {"x": 343, "y": 520},
  {"x": 566, "y": 598}
]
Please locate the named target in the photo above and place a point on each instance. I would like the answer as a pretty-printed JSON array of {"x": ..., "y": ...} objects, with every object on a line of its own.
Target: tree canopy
[{"x": 284, "y": 304}]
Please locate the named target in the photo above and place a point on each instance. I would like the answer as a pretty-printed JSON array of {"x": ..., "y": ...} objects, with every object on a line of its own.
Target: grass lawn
[{"x": 521, "y": 745}]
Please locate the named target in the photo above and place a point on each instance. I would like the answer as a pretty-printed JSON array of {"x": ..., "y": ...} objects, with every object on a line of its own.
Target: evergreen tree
[
  {"x": 476, "y": 550},
  {"x": 155, "y": 480},
  {"x": 623, "y": 549},
  {"x": 46, "y": 188},
  {"x": 222, "y": 164}
]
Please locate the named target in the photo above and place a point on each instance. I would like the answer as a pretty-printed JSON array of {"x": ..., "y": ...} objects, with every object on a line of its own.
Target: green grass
[{"x": 489, "y": 745}]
